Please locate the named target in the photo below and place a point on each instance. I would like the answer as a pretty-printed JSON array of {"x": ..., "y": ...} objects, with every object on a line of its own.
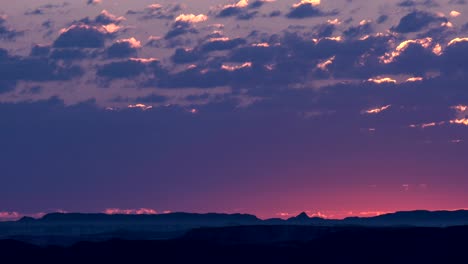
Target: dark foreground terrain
[{"x": 262, "y": 244}]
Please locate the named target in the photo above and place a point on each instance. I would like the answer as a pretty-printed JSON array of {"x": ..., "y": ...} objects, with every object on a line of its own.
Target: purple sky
[{"x": 337, "y": 108}]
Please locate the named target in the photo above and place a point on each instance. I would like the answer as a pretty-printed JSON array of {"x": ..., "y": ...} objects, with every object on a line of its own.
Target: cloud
[
  {"x": 124, "y": 48},
  {"x": 454, "y": 13},
  {"x": 457, "y": 2},
  {"x": 259, "y": 3},
  {"x": 130, "y": 68},
  {"x": 142, "y": 107},
  {"x": 93, "y": 2},
  {"x": 427, "y": 125},
  {"x": 307, "y": 2},
  {"x": 221, "y": 44},
  {"x": 457, "y": 40},
  {"x": 41, "y": 10},
  {"x": 382, "y": 80},
  {"x": 182, "y": 55},
  {"x": 70, "y": 54},
  {"x": 233, "y": 9},
  {"x": 415, "y": 79},
  {"x": 377, "y": 110},
  {"x": 191, "y": 18},
  {"x": 183, "y": 24},
  {"x": 462, "y": 121},
  {"x": 158, "y": 11},
  {"x": 306, "y": 9},
  {"x": 241, "y": 9},
  {"x": 7, "y": 33},
  {"x": 364, "y": 28},
  {"x": 107, "y": 18},
  {"x": 40, "y": 50},
  {"x": 452, "y": 60},
  {"x": 414, "y": 56},
  {"x": 411, "y": 3},
  {"x": 236, "y": 67},
  {"x": 418, "y": 20},
  {"x": 82, "y": 36},
  {"x": 38, "y": 69}
]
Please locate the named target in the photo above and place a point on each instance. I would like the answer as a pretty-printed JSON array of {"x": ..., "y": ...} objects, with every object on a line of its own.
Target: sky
[{"x": 335, "y": 107}]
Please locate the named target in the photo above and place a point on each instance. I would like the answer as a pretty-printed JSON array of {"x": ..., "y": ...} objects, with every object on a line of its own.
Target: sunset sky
[{"x": 335, "y": 107}]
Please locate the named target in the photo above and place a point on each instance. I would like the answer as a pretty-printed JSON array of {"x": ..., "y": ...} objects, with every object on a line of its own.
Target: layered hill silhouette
[
  {"x": 404, "y": 245},
  {"x": 410, "y": 218},
  {"x": 69, "y": 228}
]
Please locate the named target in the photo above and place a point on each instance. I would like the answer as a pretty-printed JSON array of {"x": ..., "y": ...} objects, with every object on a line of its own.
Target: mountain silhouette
[
  {"x": 69, "y": 228},
  {"x": 172, "y": 218}
]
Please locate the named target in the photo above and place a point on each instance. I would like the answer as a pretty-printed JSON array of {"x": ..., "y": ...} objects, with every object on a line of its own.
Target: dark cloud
[
  {"x": 412, "y": 3},
  {"x": 306, "y": 10},
  {"x": 417, "y": 20},
  {"x": 457, "y": 2},
  {"x": 82, "y": 36},
  {"x": 180, "y": 28},
  {"x": 40, "y": 69},
  {"x": 69, "y": 54},
  {"x": 7, "y": 33},
  {"x": 194, "y": 78},
  {"x": 256, "y": 4},
  {"x": 40, "y": 50},
  {"x": 107, "y": 18},
  {"x": 324, "y": 30},
  {"x": 104, "y": 18},
  {"x": 93, "y": 2},
  {"x": 41, "y": 10},
  {"x": 185, "y": 56},
  {"x": 47, "y": 24},
  {"x": 247, "y": 15},
  {"x": 362, "y": 29},
  {"x": 36, "y": 11},
  {"x": 453, "y": 59},
  {"x": 382, "y": 19},
  {"x": 230, "y": 11},
  {"x": 123, "y": 48},
  {"x": 241, "y": 10},
  {"x": 222, "y": 44},
  {"x": 127, "y": 69},
  {"x": 275, "y": 13},
  {"x": 157, "y": 11}
]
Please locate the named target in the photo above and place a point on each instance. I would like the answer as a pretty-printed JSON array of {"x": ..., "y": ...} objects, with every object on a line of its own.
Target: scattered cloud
[
  {"x": 306, "y": 9},
  {"x": 377, "y": 110},
  {"x": 82, "y": 36},
  {"x": 462, "y": 121},
  {"x": 6, "y": 32},
  {"x": 93, "y": 2},
  {"x": 140, "y": 211},
  {"x": 105, "y": 17},
  {"x": 382, "y": 80},
  {"x": 143, "y": 107},
  {"x": 124, "y": 48},
  {"x": 454, "y": 13},
  {"x": 418, "y": 20}
]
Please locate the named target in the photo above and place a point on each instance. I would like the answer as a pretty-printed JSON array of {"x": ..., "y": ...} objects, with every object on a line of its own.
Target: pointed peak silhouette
[{"x": 302, "y": 215}]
